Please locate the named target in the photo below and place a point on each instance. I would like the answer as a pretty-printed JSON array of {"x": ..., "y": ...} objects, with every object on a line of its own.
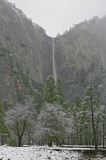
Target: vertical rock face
[
  {"x": 26, "y": 55},
  {"x": 26, "y": 41},
  {"x": 25, "y": 49},
  {"x": 83, "y": 57}
]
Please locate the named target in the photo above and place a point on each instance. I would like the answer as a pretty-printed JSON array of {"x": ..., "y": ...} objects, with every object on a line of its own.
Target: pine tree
[
  {"x": 60, "y": 91},
  {"x": 92, "y": 105},
  {"x": 76, "y": 108},
  {"x": 4, "y": 132},
  {"x": 50, "y": 91},
  {"x": 103, "y": 123},
  {"x": 2, "y": 111}
]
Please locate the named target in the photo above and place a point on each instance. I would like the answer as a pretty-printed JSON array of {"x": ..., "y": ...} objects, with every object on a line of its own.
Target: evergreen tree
[
  {"x": 103, "y": 123},
  {"x": 2, "y": 111},
  {"x": 76, "y": 109},
  {"x": 50, "y": 91},
  {"x": 60, "y": 91},
  {"x": 4, "y": 132},
  {"x": 86, "y": 126},
  {"x": 92, "y": 107}
]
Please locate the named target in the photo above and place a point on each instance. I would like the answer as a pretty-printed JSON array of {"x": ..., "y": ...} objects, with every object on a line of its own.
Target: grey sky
[{"x": 56, "y": 16}]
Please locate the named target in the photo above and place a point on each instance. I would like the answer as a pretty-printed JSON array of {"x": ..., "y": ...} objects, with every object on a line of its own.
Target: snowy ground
[{"x": 39, "y": 153}]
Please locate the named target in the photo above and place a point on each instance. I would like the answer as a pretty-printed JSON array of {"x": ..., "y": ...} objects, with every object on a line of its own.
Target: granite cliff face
[
  {"x": 83, "y": 57},
  {"x": 26, "y": 56},
  {"x": 26, "y": 41},
  {"x": 24, "y": 53}
]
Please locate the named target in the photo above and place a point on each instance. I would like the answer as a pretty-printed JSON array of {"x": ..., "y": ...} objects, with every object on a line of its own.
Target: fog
[{"x": 56, "y": 16}]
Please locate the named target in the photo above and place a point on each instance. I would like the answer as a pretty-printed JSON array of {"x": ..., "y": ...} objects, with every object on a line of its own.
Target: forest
[{"x": 59, "y": 122}]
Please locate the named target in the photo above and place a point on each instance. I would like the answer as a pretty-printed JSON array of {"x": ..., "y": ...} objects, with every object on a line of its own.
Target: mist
[{"x": 57, "y": 16}]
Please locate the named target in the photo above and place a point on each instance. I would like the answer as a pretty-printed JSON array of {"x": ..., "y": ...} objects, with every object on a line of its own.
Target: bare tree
[{"x": 19, "y": 120}]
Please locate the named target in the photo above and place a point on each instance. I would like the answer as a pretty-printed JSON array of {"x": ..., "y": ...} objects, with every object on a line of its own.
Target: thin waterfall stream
[{"x": 54, "y": 65}]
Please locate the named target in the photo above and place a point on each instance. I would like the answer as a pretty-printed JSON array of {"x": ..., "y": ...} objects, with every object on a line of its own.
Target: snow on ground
[
  {"x": 38, "y": 153},
  {"x": 35, "y": 153}
]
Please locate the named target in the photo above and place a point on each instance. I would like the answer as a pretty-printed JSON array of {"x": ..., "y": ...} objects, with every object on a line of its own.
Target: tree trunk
[
  {"x": 19, "y": 141},
  {"x": 103, "y": 135},
  {"x": 57, "y": 142},
  {"x": 2, "y": 140},
  {"x": 29, "y": 137},
  {"x": 93, "y": 126},
  {"x": 50, "y": 143}
]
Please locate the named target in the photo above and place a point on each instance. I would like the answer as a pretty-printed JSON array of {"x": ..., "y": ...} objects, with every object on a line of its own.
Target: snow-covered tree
[
  {"x": 52, "y": 124},
  {"x": 19, "y": 119}
]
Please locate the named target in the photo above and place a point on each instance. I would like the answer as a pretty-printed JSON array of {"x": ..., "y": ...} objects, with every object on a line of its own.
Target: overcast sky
[{"x": 56, "y": 16}]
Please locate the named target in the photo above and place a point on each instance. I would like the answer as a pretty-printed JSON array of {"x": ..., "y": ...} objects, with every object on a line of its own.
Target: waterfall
[{"x": 54, "y": 66}]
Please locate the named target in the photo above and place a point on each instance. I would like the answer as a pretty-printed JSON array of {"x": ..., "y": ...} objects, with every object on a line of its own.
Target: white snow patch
[
  {"x": 36, "y": 153},
  {"x": 40, "y": 153}
]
